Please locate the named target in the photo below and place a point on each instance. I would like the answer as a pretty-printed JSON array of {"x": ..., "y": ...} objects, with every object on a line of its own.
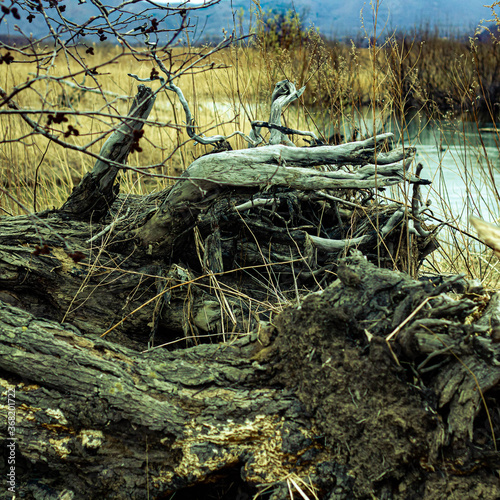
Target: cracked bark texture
[{"x": 317, "y": 394}]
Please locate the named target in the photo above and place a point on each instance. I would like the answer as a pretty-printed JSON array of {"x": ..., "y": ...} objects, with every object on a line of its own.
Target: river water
[{"x": 460, "y": 158}]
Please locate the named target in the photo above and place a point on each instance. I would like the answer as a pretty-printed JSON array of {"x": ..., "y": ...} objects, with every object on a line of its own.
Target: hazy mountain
[{"x": 334, "y": 18}]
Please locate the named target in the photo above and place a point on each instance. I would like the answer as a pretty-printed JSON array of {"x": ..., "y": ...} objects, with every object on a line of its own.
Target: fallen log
[
  {"x": 318, "y": 397},
  {"x": 171, "y": 259},
  {"x": 248, "y": 394},
  {"x": 107, "y": 422}
]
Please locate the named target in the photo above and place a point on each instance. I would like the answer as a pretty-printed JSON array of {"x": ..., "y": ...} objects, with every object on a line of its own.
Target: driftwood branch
[
  {"x": 279, "y": 166},
  {"x": 284, "y": 93},
  {"x": 284, "y": 130}
]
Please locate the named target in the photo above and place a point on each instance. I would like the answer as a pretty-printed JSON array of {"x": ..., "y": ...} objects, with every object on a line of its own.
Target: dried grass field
[{"x": 232, "y": 89}]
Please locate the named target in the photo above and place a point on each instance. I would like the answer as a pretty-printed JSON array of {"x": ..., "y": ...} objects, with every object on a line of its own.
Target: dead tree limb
[
  {"x": 273, "y": 166},
  {"x": 96, "y": 192}
]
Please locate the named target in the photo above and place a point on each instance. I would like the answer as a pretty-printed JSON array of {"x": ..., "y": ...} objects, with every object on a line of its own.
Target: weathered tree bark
[
  {"x": 108, "y": 422},
  {"x": 319, "y": 397},
  {"x": 362, "y": 389}
]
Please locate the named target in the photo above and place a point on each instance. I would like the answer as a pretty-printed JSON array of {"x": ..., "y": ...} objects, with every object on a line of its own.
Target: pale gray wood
[{"x": 283, "y": 94}]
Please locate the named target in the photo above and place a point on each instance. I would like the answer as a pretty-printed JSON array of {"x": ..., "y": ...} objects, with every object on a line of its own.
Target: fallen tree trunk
[
  {"x": 218, "y": 217},
  {"x": 114, "y": 423},
  {"x": 289, "y": 399},
  {"x": 98, "y": 420}
]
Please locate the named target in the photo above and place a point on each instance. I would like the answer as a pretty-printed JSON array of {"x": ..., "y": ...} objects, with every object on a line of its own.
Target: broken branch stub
[
  {"x": 284, "y": 93},
  {"x": 96, "y": 192}
]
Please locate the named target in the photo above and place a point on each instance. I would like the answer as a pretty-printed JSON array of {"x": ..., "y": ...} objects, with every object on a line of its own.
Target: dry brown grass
[
  {"x": 342, "y": 83},
  {"x": 216, "y": 99},
  {"x": 41, "y": 174}
]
